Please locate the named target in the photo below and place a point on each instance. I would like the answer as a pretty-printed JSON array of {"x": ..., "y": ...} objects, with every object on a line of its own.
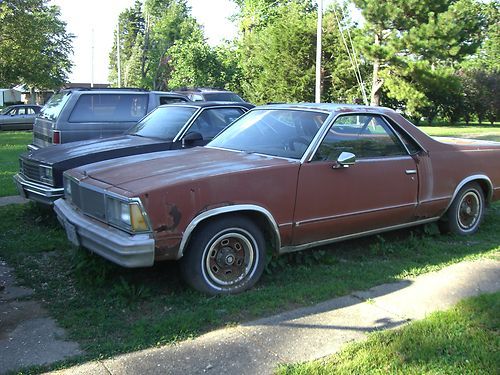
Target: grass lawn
[
  {"x": 462, "y": 340},
  {"x": 11, "y": 145},
  {"x": 476, "y": 132},
  {"x": 111, "y": 310}
]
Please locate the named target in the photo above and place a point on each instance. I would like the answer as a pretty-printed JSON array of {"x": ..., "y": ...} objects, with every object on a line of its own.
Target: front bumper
[
  {"x": 115, "y": 245},
  {"x": 36, "y": 191},
  {"x": 32, "y": 147}
]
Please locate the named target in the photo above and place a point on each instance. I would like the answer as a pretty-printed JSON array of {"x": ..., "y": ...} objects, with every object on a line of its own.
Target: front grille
[
  {"x": 31, "y": 170},
  {"x": 89, "y": 201}
]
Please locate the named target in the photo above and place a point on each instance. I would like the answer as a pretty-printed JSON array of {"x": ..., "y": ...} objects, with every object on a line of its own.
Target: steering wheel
[{"x": 294, "y": 140}]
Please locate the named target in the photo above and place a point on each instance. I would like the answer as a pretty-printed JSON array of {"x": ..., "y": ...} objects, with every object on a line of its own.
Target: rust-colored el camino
[{"x": 293, "y": 176}]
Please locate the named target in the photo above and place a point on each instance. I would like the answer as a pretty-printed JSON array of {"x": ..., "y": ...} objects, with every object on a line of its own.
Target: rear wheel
[
  {"x": 225, "y": 256},
  {"x": 466, "y": 212}
]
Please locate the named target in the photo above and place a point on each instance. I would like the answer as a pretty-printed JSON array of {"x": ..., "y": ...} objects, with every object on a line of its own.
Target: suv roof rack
[
  {"x": 109, "y": 89},
  {"x": 199, "y": 89}
]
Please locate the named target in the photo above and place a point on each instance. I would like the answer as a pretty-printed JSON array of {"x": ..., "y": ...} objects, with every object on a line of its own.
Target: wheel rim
[
  {"x": 469, "y": 211},
  {"x": 229, "y": 259}
]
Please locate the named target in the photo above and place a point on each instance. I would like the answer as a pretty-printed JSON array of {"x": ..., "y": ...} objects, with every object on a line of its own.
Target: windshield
[
  {"x": 163, "y": 123},
  {"x": 54, "y": 106},
  {"x": 5, "y": 110},
  {"x": 278, "y": 132}
]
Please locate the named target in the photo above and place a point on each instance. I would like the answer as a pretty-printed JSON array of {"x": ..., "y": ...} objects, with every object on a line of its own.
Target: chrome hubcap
[
  {"x": 469, "y": 210},
  {"x": 229, "y": 259}
]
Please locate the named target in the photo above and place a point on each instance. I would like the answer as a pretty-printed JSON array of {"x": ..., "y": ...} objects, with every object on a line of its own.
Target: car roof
[
  {"x": 120, "y": 90},
  {"x": 201, "y": 104},
  {"x": 326, "y": 107},
  {"x": 23, "y": 105}
]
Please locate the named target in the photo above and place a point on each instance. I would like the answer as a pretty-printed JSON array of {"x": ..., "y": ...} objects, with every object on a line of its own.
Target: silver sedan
[{"x": 18, "y": 117}]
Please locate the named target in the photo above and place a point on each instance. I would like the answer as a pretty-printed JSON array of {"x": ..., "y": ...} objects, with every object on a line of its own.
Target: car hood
[
  {"x": 143, "y": 173},
  {"x": 59, "y": 153}
]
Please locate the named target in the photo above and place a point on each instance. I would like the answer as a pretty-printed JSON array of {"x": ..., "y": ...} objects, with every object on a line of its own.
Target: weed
[{"x": 129, "y": 292}]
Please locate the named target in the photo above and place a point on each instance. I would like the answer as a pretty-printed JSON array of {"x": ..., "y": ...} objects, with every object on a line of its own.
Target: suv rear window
[
  {"x": 109, "y": 108},
  {"x": 54, "y": 106}
]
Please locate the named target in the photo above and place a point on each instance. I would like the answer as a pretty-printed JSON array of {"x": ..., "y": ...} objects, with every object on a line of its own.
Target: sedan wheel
[
  {"x": 225, "y": 256},
  {"x": 466, "y": 212}
]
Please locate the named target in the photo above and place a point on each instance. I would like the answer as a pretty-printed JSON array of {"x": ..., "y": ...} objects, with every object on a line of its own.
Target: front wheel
[
  {"x": 225, "y": 256},
  {"x": 466, "y": 212}
]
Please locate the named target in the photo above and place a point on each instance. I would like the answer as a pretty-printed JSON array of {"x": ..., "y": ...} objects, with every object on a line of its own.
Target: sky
[{"x": 93, "y": 23}]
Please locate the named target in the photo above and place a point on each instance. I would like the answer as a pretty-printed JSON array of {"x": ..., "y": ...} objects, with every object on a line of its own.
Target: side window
[
  {"x": 21, "y": 111},
  {"x": 109, "y": 108},
  {"x": 170, "y": 99},
  {"x": 30, "y": 111},
  {"x": 409, "y": 142},
  {"x": 366, "y": 136},
  {"x": 212, "y": 121}
]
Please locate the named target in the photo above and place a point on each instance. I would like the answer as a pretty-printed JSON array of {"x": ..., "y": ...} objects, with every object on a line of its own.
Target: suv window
[
  {"x": 54, "y": 106},
  {"x": 366, "y": 136},
  {"x": 212, "y": 121},
  {"x": 170, "y": 99},
  {"x": 222, "y": 97},
  {"x": 196, "y": 98},
  {"x": 109, "y": 108}
]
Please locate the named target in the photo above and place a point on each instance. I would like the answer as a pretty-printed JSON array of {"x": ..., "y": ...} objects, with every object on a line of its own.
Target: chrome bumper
[
  {"x": 37, "y": 191},
  {"x": 117, "y": 246}
]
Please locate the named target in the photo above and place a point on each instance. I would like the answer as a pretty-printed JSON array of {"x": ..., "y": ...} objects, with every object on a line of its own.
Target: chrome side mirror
[{"x": 344, "y": 160}]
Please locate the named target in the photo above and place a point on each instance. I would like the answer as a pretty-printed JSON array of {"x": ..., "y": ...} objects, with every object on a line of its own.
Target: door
[{"x": 379, "y": 190}]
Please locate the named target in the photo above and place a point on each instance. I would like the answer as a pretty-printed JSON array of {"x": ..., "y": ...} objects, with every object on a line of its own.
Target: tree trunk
[
  {"x": 32, "y": 96},
  {"x": 377, "y": 82}
]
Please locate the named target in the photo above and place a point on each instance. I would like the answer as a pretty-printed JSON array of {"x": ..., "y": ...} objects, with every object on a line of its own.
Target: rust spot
[
  {"x": 212, "y": 206},
  {"x": 172, "y": 218}
]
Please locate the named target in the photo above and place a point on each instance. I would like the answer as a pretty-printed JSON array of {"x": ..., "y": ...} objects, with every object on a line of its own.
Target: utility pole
[
  {"x": 318, "y": 52},
  {"x": 118, "y": 53},
  {"x": 92, "y": 59}
]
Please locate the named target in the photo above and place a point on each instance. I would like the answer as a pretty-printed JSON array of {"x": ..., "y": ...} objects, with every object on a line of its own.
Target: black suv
[
  {"x": 209, "y": 94},
  {"x": 80, "y": 114}
]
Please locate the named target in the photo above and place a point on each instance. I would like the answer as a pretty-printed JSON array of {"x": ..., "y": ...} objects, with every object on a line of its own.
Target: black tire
[
  {"x": 466, "y": 211},
  {"x": 224, "y": 256}
]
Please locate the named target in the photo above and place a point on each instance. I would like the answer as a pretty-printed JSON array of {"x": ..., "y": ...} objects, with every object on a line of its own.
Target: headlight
[
  {"x": 125, "y": 215},
  {"x": 46, "y": 174},
  {"x": 67, "y": 187}
]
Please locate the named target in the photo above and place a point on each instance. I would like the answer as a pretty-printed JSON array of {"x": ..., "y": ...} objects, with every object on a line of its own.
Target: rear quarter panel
[{"x": 449, "y": 165}]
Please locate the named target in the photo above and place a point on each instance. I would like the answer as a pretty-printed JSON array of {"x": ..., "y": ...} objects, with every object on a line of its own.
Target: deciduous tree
[{"x": 35, "y": 48}]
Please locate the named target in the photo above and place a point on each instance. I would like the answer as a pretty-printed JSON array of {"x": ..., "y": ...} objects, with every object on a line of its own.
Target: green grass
[
  {"x": 462, "y": 340},
  {"x": 11, "y": 145},
  {"x": 111, "y": 310},
  {"x": 474, "y": 132}
]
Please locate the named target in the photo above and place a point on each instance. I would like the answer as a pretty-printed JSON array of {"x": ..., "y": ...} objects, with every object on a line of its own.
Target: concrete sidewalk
[
  {"x": 308, "y": 333},
  {"x": 14, "y": 199}
]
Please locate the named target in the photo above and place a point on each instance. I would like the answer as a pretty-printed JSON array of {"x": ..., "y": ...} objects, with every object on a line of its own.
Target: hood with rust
[{"x": 142, "y": 173}]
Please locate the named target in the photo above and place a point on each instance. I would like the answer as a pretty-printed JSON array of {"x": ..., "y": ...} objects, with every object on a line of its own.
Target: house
[{"x": 9, "y": 96}]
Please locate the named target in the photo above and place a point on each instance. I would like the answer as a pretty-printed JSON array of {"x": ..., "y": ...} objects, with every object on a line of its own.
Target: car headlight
[
  {"x": 46, "y": 174},
  {"x": 127, "y": 215},
  {"x": 67, "y": 187}
]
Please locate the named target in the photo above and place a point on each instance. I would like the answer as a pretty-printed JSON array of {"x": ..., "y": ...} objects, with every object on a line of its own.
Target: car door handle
[{"x": 411, "y": 171}]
